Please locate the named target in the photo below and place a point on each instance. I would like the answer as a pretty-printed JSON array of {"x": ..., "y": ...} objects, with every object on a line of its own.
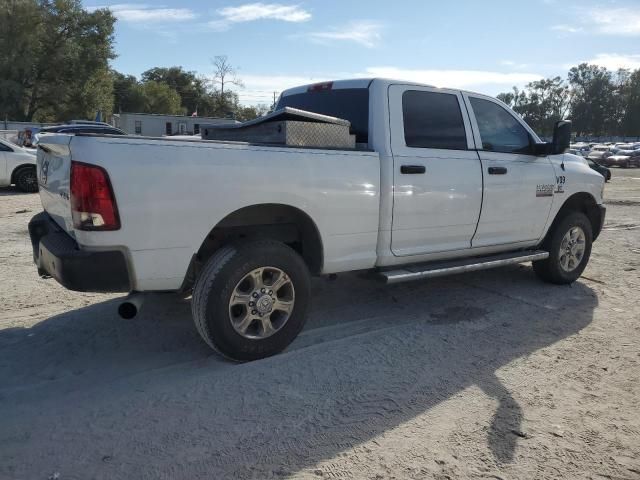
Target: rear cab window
[{"x": 347, "y": 103}]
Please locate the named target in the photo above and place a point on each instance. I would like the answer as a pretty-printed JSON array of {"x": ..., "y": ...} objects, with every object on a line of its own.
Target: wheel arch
[
  {"x": 275, "y": 221},
  {"x": 579, "y": 202}
]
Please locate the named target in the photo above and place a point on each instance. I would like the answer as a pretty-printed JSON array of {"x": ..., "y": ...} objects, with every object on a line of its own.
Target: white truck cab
[{"x": 441, "y": 181}]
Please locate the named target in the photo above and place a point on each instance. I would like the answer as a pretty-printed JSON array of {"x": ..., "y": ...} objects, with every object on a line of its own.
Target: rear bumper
[{"x": 58, "y": 255}]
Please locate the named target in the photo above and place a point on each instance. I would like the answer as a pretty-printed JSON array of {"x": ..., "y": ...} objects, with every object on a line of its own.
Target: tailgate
[{"x": 54, "y": 170}]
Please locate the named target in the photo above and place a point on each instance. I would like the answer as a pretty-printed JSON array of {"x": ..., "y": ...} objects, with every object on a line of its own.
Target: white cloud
[
  {"x": 250, "y": 12},
  {"x": 567, "y": 28},
  {"x": 614, "y": 61},
  {"x": 603, "y": 21},
  {"x": 264, "y": 11},
  {"x": 512, "y": 64},
  {"x": 363, "y": 32},
  {"x": 143, "y": 13},
  {"x": 615, "y": 21}
]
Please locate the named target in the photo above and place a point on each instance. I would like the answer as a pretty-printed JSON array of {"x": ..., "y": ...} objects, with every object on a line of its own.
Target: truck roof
[
  {"x": 347, "y": 83},
  {"x": 363, "y": 83}
]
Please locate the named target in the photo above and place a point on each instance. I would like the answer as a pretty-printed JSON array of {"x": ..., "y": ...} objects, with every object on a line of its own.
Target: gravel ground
[{"x": 485, "y": 375}]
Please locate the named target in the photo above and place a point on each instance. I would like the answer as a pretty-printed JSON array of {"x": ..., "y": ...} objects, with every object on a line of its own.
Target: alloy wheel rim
[
  {"x": 261, "y": 303},
  {"x": 572, "y": 249},
  {"x": 28, "y": 180}
]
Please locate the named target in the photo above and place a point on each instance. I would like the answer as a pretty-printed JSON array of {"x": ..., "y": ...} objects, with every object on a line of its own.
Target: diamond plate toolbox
[{"x": 287, "y": 127}]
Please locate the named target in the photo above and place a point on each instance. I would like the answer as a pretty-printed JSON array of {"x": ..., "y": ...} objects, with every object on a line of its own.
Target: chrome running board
[{"x": 439, "y": 269}]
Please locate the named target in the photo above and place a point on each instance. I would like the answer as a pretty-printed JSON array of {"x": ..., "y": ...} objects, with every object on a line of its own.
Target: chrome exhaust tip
[{"x": 130, "y": 306}]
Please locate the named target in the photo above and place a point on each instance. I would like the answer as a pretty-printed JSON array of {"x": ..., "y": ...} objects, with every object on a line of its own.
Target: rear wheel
[
  {"x": 569, "y": 247},
  {"x": 251, "y": 299},
  {"x": 26, "y": 180}
]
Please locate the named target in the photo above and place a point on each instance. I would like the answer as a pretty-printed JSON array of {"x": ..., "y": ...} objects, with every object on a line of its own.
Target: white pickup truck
[{"x": 441, "y": 181}]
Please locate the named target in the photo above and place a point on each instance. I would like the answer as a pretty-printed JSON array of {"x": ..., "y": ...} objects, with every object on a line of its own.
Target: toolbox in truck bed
[{"x": 287, "y": 126}]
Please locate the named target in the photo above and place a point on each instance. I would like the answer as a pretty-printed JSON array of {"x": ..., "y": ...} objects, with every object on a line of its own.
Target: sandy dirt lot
[{"x": 485, "y": 375}]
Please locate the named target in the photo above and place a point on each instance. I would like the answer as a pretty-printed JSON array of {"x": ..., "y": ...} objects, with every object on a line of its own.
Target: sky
[{"x": 483, "y": 45}]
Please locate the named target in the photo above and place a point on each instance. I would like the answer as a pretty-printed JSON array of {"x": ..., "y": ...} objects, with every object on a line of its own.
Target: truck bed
[{"x": 172, "y": 193}]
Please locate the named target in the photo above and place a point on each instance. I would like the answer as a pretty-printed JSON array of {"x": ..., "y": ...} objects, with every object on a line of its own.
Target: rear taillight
[{"x": 93, "y": 205}]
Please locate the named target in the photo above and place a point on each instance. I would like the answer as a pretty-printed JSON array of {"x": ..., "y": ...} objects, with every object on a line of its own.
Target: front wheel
[
  {"x": 26, "y": 180},
  {"x": 251, "y": 299},
  {"x": 569, "y": 247}
]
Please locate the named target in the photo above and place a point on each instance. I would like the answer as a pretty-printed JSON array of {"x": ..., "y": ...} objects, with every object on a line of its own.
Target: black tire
[
  {"x": 26, "y": 179},
  {"x": 217, "y": 282},
  {"x": 550, "y": 269}
]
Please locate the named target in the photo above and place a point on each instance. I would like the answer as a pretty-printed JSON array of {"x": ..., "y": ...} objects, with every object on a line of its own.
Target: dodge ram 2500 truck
[{"x": 440, "y": 181}]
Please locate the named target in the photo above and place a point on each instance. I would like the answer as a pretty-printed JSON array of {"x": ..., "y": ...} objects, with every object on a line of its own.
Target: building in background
[{"x": 156, "y": 125}]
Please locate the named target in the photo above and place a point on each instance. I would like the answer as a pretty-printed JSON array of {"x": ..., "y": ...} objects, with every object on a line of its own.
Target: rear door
[
  {"x": 518, "y": 185},
  {"x": 436, "y": 171}
]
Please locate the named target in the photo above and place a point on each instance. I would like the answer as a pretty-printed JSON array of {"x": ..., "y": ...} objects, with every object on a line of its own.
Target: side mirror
[
  {"x": 561, "y": 136},
  {"x": 542, "y": 149}
]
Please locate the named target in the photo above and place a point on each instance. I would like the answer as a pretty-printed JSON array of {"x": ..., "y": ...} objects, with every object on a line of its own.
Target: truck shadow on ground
[{"x": 370, "y": 359}]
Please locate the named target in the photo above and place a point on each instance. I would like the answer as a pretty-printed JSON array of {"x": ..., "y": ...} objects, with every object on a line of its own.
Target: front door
[
  {"x": 437, "y": 178},
  {"x": 518, "y": 185}
]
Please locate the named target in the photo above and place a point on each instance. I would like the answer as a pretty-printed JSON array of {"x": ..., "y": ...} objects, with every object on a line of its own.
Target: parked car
[
  {"x": 17, "y": 167},
  {"x": 79, "y": 128},
  {"x": 580, "y": 153},
  {"x": 440, "y": 181},
  {"x": 623, "y": 158},
  {"x": 598, "y": 152},
  {"x": 601, "y": 169}
]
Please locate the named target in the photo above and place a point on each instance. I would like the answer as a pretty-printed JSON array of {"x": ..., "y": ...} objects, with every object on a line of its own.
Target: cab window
[
  {"x": 499, "y": 130},
  {"x": 432, "y": 120}
]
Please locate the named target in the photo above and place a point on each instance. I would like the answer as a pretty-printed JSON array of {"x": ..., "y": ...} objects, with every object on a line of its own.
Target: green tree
[
  {"x": 541, "y": 103},
  {"x": 630, "y": 98},
  {"x": 54, "y": 62},
  {"x": 161, "y": 98},
  {"x": 514, "y": 99},
  {"x": 192, "y": 89},
  {"x": 128, "y": 95},
  {"x": 244, "y": 113},
  {"x": 593, "y": 105}
]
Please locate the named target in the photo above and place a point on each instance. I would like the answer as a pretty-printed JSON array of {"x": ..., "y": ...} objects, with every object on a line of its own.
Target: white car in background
[
  {"x": 623, "y": 158},
  {"x": 598, "y": 152},
  {"x": 18, "y": 167}
]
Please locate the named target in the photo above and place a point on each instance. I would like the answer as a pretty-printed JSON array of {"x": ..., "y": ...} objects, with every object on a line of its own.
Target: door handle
[
  {"x": 412, "y": 169},
  {"x": 497, "y": 170}
]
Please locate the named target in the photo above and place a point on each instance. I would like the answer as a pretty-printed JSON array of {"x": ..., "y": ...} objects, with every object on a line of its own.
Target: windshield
[{"x": 347, "y": 103}]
